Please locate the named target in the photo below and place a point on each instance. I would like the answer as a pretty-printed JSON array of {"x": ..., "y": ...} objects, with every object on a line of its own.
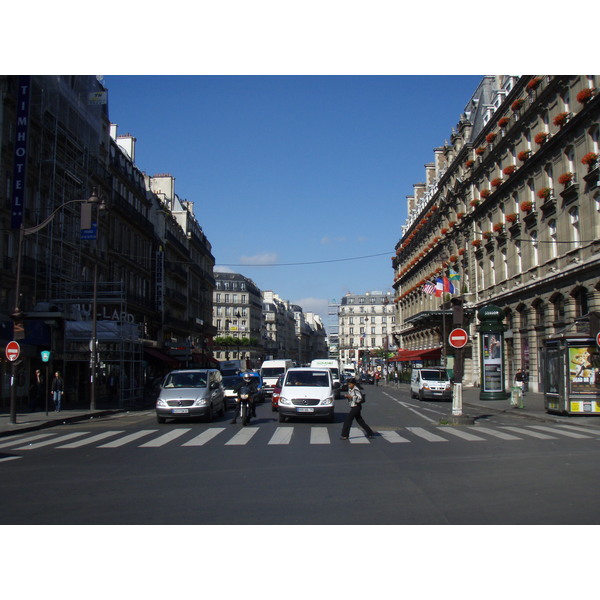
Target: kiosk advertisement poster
[
  {"x": 492, "y": 362},
  {"x": 584, "y": 370}
]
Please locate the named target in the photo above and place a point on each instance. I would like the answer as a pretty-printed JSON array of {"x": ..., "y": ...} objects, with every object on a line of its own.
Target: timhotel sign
[{"x": 20, "y": 158}]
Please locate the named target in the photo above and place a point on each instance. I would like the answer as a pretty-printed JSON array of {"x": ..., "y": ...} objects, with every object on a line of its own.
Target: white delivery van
[
  {"x": 307, "y": 392},
  {"x": 334, "y": 366},
  {"x": 349, "y": 370},
  {"x": 430, "y": 383},
  {"x": 271, "y": 370}
]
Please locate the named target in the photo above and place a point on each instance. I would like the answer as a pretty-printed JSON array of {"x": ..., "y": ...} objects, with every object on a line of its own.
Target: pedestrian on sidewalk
[
  {"x": 58, "y": 389},
  {"x": 356, "y": 399}
]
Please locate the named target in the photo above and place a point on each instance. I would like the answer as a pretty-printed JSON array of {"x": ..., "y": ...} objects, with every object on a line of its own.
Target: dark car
[
  {"x": 367, "y": 378},
  {"x": 276, "y": 393}
]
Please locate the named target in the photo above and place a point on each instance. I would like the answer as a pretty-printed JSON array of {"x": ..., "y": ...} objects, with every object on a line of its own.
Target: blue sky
[{"x": 291, "y": 176}]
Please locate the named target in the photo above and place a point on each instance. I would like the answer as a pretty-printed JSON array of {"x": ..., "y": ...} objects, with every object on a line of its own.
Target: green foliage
[{"x": 233, "y": 342}]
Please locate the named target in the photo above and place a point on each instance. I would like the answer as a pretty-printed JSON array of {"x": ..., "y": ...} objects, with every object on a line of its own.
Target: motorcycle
[{"x": 245, "y": 400}]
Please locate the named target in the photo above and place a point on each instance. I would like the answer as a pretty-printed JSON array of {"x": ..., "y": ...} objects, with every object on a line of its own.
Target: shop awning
[
  {"x": 424, "y": 354},
  {"x": 205, "y": 360},
  {"x": 171, "y": 362}
]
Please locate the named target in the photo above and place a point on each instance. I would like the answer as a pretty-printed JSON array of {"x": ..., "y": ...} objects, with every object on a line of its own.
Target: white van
[
  {"x": 334, "y": 365},
  {"x": 307, "y": 392},
  {"x": 430, "y": 383},
  {"x": 271, "y": 370},
  {"x": 349, "y": 370}
]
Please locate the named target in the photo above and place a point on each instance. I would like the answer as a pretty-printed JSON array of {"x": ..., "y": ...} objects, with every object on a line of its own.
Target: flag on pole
[
  {"x": 429, "y": 288},
  {"x": 439, "y": 287},
  {"x": 448, "y": 286},
  {"x": 453, "y": 275}
]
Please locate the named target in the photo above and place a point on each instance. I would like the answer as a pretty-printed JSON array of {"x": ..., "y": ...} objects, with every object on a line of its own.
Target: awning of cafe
[
  {"x": 171, "y": 362},
  {"x": 423, "y": 354}
]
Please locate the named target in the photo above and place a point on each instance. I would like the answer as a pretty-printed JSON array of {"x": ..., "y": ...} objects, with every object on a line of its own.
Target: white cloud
[
  {"x": 264, "y": 258},
  {"x": 315, "y": 305},
  {"x": 223, "y": 269}
]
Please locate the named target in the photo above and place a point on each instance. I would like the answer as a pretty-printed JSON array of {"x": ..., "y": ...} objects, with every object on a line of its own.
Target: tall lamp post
[{"x": 18, "y": 315}]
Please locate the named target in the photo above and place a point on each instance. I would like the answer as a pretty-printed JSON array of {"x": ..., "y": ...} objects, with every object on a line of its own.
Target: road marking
[
  {"x": 205, "y": 437},
  {"x": 535, "y": 434},
  {"x": 91, "y": 440},
  {"x": 282, "y": 435},
  {"x": 357, "y": 436},
  {"x": 409, "y": 407},
  {"x": 581, "y": 429},
  {"x": 462, "y": 434},
  {"x": 319, "y": 435},
  {"x": 62, "y": 438},
  {"x": 498, "y": 434},
  {"x": 555, "y": 430},
  {"x": 128, "y": 438},
  {"x": 393, "y": 437},
  {"x": 426, "y": 435},
  {"x": 242, "y": 437},
  {"x": 16, "y": 442},
  {"x": 6, "y": 459},
  {"x": 161, "y": 440}
]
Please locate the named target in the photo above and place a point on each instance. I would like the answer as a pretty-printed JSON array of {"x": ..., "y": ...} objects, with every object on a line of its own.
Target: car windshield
[
  {"x": 434, "y": 375},
  {"x": 185, "y": 380},
  {"x": 231, "y": 381},
  {"x": 272, "y": 371},
  {"x": 307, "y": 379}
]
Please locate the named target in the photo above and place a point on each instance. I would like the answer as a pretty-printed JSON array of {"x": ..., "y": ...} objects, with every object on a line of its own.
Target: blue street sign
[{"x": 90, "y": 234}]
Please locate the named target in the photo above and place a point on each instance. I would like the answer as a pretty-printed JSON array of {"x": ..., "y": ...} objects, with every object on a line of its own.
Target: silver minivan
[
  {"x": 431, "y": 383},
  {"x": 190, "y": 393}
]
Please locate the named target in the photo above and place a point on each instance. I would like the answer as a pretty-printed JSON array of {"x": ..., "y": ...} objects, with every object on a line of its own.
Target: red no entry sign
[
  {"x": 458, "y": 338},
  {"x": 12, "y": 350}
]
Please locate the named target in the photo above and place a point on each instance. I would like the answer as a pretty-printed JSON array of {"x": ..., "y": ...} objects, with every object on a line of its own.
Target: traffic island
[{"x": 457, "y": 420}]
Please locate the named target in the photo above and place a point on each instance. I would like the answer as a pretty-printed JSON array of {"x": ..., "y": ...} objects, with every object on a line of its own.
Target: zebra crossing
[{"x": 285, "y": 435}]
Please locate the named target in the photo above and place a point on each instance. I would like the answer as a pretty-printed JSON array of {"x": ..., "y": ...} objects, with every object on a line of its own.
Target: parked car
[
  {"x": 307, "y": 392},
  {"x": 190, "y": 393},
  {"x": 276, "y": 393},
  {"x": 430, "y": 383}
]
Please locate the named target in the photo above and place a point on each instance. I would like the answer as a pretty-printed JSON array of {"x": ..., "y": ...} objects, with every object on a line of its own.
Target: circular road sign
[
  {"x": 12, "y": 350},
  {"x": 458, "y": 338},
  {"x": 598, "y": 338}
]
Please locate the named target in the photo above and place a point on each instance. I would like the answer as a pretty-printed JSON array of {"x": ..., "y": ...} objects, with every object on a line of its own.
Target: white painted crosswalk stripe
[
  {"x": 165, "y": 438},
  {"x": 62, "y": 438},
  {"x": 498, "y": 434},
  {"x": 319, "y": 435},
  {"x": 15, "y": 442},
  {"x": 535, "y": 434},
  {"x": 357, "y": 436},
  {"x": 205, "y": 437},
  {"x": 462, "y": 434},
  {"x": 128, "y": 438},
  {"x": 282, "y": 436},
  {"x": 393, "y": 437},
  {"x": 242, "y": 437},
  {"x": 555, "y": 430},
  {"x": 426, "y": 435},
  {"x": 91, "y": 440},
  {"x": 581, "y": 429}
]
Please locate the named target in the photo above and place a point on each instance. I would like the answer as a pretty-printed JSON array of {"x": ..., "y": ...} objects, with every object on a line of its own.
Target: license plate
[
  {"x": 305, "y": 409},
  {"x": 180, "y": 411}
]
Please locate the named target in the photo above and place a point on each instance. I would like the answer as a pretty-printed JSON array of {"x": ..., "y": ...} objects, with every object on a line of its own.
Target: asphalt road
[{"x": 127, "y": 469}]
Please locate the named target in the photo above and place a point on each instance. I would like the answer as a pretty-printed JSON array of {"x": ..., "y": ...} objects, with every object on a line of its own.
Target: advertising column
[{"x": 491, "y": 335}]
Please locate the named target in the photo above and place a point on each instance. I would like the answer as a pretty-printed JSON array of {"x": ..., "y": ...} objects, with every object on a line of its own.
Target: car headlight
[
  {"x": 201, "y": 402},
  {"x": 327, "y": 401},
  {"x": 160, "y": 402},
  {"x": 283, "y": 400}
]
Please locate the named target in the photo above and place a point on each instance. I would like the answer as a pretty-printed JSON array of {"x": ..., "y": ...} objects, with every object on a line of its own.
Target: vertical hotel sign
[
  {"x": 160, "y": 280},
  {"x": 20, "y": 159}
]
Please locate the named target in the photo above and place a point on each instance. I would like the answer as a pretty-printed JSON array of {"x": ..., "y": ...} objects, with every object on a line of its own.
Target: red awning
[
  {"x": 173, "y": 363},
  {"x": 424, "y": 354},
  {"x": 205, "y": 360}
]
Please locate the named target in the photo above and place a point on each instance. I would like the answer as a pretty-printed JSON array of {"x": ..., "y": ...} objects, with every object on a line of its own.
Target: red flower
[
  {"x": 512, "y": 217},
  {"x": 496, "y": 182},
  {"x": 461, "y": 251},
  {"x": 565, "y": 178},
  {"x": 476, "y": 243},
  {"x": 469, "y": 163},
  {"x": 498, "y": 227},
  {"x": 540, "y": 138},
  {"x": 533, "y": 83},
  {"x": 474, "y": 202},
  {"x": 517, "y": 104},
  {"x": 453, "y": 258},
  {"x": 503, "y": 122},
  {"x": 590, "y": 158},
  {"x": 526, "y": 205},
  {"x": 523, "y": 156},
  {"x": 484, "y": 193},
  {"x": 444, "y": 230},
  {"x": 509, "y": 170},
  {"x": 544, "y": 193},
  {"x": 585, "y": 95},
  {"x": 460, "y": 215},
  {"x": 561, "y": 118},
  {"x": 490, "y": 137},
  {"x": 487, "y": 235},
  {"x": 480, "y": 150}
]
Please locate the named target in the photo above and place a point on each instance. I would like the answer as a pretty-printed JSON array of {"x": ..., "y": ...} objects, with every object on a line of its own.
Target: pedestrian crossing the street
[{"x": 187, "y": 437}]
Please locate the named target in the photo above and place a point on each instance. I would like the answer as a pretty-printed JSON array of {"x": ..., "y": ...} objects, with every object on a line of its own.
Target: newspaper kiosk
[{"x": 571, "y": 373}]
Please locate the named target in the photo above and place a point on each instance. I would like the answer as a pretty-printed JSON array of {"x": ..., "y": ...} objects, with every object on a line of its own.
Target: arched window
[
  {"x": 559, "y": 308},
  {"x": 553, "y": 245},
  {"x": 580, "y": 296},
  {"x": 549, "y": 175}
]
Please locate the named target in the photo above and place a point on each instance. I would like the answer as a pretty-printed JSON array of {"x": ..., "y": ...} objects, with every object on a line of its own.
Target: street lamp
[{"x": 17, "y": 315}]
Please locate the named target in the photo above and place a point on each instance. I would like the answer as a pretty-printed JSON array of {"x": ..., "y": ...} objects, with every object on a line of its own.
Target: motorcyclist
[{"x": 251, "y": 383}]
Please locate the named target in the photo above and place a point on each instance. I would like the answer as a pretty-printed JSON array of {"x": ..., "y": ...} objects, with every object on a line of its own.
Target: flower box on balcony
[
  {"x": 540, "y": 138},
  {"x": 544, "y": 193},
  {"x": 474, "y": 203},
  {"x": 453, "y": 258},
  {"x": 584, "y": 96},
  {"x": 490, "y": 137},
  {"x": 487, "y": 235},
  {"x": 509, "y": 170},
  {"x": 485, "y": 193},
  {"x": 517, "y": 104},
  {"x": 476, "y": 243},
  {"x": 533, "y": 83},
  {"x": 498, "y": 227},
  {"x": 524, "y": 155},
  {"x": 526, "y": 206},
  {"x": 451, "y": 223},
  {"x": 589, "y": 159},
  {"x": 480, "y": 150},
  {"x": 496, "y": 182},
  {"x": 461, "y": 251},
  {"x": 469, "y": 163},
  {"x": 460, "y": 215},
  {"x": 512, "y": 218},
  {"x": 561, "y": 118},
  {"x": 565, "y": 178},
  {"x": 503, "y": 122},
  {"x": 445, "y": 230}
]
